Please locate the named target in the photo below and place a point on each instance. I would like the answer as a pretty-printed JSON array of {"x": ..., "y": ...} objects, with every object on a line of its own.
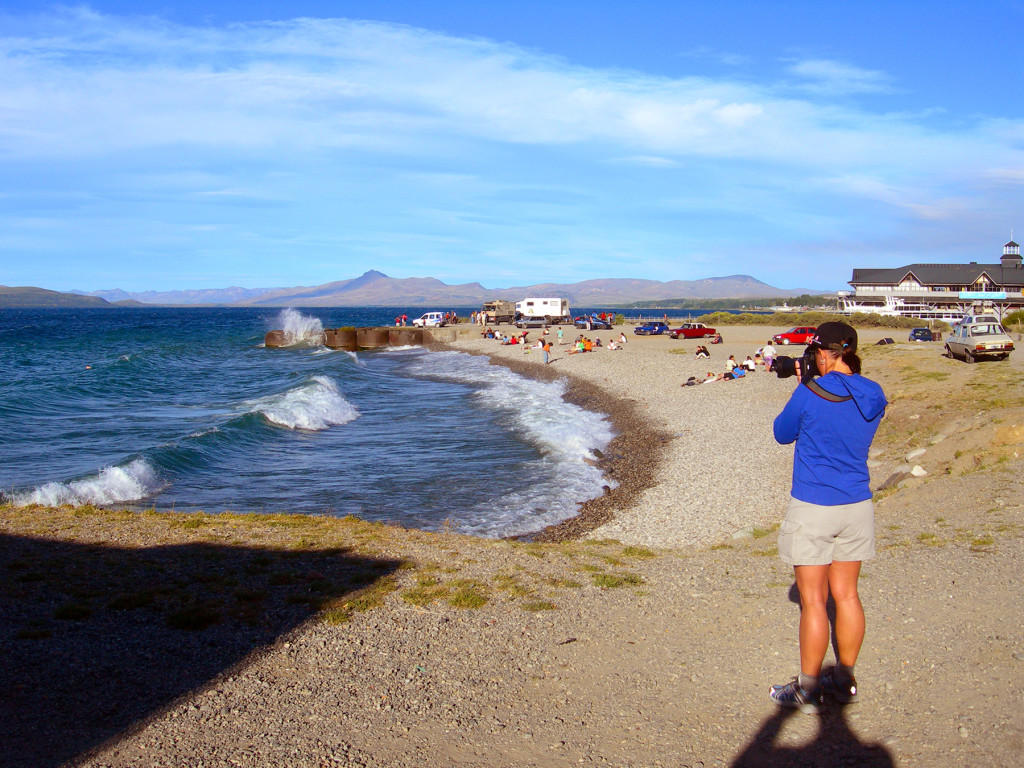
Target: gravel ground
[{"x": 585, "y": 653}]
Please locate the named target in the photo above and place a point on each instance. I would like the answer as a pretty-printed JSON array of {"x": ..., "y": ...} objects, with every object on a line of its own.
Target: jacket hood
[{"x": 868, "y": 396}]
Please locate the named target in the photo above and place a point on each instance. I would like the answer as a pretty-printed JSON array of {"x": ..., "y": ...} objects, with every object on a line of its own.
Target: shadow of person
[
  {"x": 834, "y": 744},
  {"x": 95, "y": 639}
]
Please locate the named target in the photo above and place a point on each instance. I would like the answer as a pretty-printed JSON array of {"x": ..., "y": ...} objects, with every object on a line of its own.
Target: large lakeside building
[{"x": 940, "y": 291}]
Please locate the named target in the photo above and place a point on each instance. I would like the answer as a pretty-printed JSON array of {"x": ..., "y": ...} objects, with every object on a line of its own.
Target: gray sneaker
[
  {"x": 844, "y": 692},
  {"x": 792, "y": 696}
]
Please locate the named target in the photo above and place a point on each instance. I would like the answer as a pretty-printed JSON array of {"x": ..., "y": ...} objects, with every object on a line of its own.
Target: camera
[{"x": 785, "y": 367}]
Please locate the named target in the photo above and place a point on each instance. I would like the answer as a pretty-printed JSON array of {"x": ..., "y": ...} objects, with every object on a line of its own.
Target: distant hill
[
  {"x": 231, "y": 295},
  {"x": 27, "y": 297},
  {"x": 374, "y": 288},
  {"x": 377, "y": 289}
]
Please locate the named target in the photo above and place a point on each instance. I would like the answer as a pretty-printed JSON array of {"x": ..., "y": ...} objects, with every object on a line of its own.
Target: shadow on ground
[
  {"x": 96, "y": 639},
  {"x": 835, "y": 744}
]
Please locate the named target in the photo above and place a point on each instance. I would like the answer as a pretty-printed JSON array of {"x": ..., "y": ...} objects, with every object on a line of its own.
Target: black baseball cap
[{"x": 836, "y": 336}]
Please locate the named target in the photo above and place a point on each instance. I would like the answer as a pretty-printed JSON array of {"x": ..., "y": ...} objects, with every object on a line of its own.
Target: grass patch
[
  {"x": 468, "y": 594},
  {"x": 339, "y": 610},
  {"x": 510, "y": 584},
  {"x": 535, "y": 606},
  {"x": 564, "y": 583},
  {"x": 770, "y": 552},
  {"x": 983, "y": 541},
  {"x": 641, "y": 552},
  {"x": 721, "y": 546},
  {"x": 614, "y": 581},
  {"x": 929, "y": 538}
]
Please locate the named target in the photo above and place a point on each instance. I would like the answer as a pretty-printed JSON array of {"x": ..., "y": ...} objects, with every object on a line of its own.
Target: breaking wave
[
  {"x": 112, "y": 485},
  {"x": 313, "y": 406},
  {"x": 300, "y": 330},
  {"x": 565, "y": 434}
]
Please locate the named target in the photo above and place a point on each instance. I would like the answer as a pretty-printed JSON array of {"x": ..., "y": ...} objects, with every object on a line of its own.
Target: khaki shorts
[{"x": 813, "y": 534}]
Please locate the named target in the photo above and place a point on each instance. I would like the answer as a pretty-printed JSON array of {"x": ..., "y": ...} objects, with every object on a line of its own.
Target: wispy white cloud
[
  {"x": 836, "y": 78},
  {"x": 410, "y": 136}
]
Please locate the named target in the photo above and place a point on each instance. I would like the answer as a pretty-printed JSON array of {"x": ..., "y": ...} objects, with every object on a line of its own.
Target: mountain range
[{"x": 374, "y": 288}]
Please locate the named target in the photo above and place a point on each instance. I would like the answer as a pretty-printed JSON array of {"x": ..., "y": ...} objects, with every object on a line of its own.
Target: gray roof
[{"x": 941, "y": 274}]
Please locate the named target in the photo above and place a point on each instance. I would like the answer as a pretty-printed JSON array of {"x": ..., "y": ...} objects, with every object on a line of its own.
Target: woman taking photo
[{"x": 829, "y": 526}]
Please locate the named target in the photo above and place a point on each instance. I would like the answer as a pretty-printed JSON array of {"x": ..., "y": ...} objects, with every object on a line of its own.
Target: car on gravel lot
[
  {"x": 921, "y": 334},
  {"x": 534, "y": 321},
  {"x": 799, "y": 335},
  {"x": 596, "y": 323},
  {"x": 978, "y": 340},
  {"x": 692, "y": 331},
  {"x": 655, "y": 328}
]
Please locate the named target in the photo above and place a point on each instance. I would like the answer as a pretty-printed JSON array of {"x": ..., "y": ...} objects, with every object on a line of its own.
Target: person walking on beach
[
  {"x": 829, "y": 526},
  {"x": 561, "y": 333}
]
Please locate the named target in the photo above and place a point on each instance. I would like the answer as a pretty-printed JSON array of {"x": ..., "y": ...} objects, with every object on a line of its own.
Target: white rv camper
[{"x": 556, "y": 310}]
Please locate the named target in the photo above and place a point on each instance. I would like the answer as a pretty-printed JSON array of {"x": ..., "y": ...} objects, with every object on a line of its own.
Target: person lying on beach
[{"x": 709, "y": 378}]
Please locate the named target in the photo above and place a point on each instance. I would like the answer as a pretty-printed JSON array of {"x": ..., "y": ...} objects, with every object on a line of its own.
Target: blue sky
[{"x": 148, "y": 145}]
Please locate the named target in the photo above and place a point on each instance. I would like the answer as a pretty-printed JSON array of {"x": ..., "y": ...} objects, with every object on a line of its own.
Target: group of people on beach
[
  {"x": 580, "y": 345},
  {"x": 734, "y": 369}
]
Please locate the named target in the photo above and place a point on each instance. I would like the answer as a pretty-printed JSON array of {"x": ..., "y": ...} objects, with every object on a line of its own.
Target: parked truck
[
  {"x": 555, "y": 310},
  {"x": 498, "y": 311}
]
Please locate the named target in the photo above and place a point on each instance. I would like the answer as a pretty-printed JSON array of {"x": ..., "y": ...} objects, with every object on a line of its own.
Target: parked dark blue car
[
  {"x": 655, "y": 328},
  {"x": 596, "y": 323}
]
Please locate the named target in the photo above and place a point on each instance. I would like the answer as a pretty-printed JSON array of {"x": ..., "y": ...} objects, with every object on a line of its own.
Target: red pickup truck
[{"x": 692, "y": 331}]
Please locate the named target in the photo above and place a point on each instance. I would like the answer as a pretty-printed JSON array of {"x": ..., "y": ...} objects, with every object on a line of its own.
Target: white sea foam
[
  {"x": 299, "y": 329},
  {"x": 113, "y": 485},
  {"x": 314, "y": 406},
  {"x": 565, "y": 434}
]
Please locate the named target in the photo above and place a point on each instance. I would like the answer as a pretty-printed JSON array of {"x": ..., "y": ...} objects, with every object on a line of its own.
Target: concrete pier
[{"x": 354, "y": 339}]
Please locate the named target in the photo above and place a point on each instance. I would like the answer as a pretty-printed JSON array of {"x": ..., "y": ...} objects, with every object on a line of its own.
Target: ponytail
[{"x": 851, "y": 361}]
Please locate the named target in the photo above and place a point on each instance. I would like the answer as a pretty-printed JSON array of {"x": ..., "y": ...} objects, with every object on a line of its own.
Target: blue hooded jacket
[{"x": 832, "y": 439}]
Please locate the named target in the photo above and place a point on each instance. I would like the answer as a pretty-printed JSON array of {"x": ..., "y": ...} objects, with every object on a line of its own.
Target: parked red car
[
  {"x": 692, "y": 331},
  {"x": 801, "y": 335}
]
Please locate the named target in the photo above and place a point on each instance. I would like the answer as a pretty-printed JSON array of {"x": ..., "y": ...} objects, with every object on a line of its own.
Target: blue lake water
[{"x": 185, "y": 409}]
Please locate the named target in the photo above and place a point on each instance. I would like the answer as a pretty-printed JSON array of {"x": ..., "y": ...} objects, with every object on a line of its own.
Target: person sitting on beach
[
  {"x": 614, "y": 345},
  {"x": 597, "y": 342},
  {"x": 496, "y": 334},
  {"x": 731, "y": 363},
  {"x": 622, "y": 337},
  {"x": 716, "y": 339},
  {"x": 749, "y": 364},
  {"x": 702, "y": 351},
  {"x": 758, "y": 360}
]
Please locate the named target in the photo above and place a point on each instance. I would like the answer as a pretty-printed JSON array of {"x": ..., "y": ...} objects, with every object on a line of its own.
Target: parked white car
[
  {"x": 429, "y": 320},
  {"x": 985, "y": 338}
]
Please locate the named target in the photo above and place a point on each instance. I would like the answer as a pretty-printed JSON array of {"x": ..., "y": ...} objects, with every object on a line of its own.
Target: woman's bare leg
[
  {"x": 842, "y": 579},
  {"x": 813, "y": 583}
]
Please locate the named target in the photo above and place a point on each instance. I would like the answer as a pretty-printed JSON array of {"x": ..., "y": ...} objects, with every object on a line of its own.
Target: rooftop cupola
[{"x": 1011, "y": 255}]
